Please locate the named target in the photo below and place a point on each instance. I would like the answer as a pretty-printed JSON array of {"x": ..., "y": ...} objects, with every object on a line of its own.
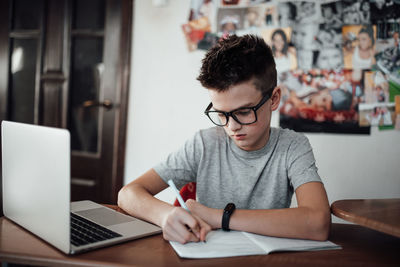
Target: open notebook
[{"x": 234, "y": 243}]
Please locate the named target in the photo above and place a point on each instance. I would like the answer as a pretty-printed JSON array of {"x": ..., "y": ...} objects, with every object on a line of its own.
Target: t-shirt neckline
[{"x": 255, "y": 153}]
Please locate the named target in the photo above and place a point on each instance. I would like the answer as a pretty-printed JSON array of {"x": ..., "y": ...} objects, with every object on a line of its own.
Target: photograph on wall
[
  {"x": 250, "y": 19},
  {"x": 377, "y": 114},
  {"x": 199, "y": 29},
  {"x": 254, "y": 19},
  {"x": 356, "y": 12},
  {"x": 397, "y": 104},
  {"x": 376, "y": 87},
  {"x": 332, "y": 14},
  {"x": 208, "y": 41},
  {"x": 382, "y": 10},
  {"x": 286, "y": 14},
  {"x": 394, "y": 97},
  {"x": 298, "y": 12},
  {"x": 322, "y": 101},
  {"x": 230, "y": 20},
  {"x": 303, "y": 18},
  {"x": 271, "y": 15},
  {"x": 283, "y": 50},
  {"x": 394, "y": 90},
  {"x": 318, "y": 46},
  {"x": 359, "y": 46},
  {"x": 258, "y": 17},
  {"x": 306, "y": 59},
  {"x": 397, "y": 111},
  {"x": 241, "y": 2},
  {"x": 304, "y": 36},
  {"x": 328, "y": 37},
  {"x": 202, "y": 8},
  {"x": 195, "y": 31},
  {"x": 308, "y": 12},
  {"x": 388, "y": 49},
  {"x": 328, "y": 59}
]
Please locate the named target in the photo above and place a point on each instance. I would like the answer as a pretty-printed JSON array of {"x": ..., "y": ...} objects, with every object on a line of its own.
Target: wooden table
[
  {"x": 361, "y": 247},
  {"x": 379, "y": 214}
]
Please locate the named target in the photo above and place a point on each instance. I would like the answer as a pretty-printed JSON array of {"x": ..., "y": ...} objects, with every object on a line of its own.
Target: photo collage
[{"x": 338, "y": 62}]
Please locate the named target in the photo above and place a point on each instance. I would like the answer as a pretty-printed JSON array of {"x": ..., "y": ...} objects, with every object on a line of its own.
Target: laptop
[{"x": 36, "y": 193}]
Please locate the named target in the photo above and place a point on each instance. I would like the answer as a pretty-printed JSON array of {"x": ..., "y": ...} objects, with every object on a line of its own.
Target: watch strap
[{"x": 226, "y": 216}]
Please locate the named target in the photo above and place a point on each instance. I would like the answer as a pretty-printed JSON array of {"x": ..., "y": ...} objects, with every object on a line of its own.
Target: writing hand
[{"x": 181, "y": 226}]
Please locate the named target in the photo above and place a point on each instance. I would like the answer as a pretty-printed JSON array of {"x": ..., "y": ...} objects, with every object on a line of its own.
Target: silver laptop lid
[{"x": 36, "y": 180}]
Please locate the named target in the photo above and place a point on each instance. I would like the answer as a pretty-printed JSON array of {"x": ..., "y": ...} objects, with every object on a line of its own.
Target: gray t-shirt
[{"x": 262, "y": 179}]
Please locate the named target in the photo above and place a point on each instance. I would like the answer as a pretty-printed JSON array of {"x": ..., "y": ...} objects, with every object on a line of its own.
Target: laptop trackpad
[{"x": 104, "y": 216}]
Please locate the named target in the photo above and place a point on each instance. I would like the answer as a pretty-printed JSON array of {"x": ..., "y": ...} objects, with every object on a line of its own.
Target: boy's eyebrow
[{"x": 242, "y": 106}]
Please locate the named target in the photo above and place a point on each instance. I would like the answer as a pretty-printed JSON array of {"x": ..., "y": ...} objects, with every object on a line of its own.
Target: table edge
[{"x": 351, "y": 217}]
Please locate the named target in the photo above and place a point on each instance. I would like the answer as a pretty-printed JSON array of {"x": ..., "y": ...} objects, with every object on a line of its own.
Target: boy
[{"x": 241, "y": 162}]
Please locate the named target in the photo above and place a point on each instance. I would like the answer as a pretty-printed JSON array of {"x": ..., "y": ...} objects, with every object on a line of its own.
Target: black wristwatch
[{"x": 229, "y": 209}]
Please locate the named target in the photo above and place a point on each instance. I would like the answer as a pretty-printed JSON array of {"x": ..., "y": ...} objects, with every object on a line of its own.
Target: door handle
[{"x": 107, "y": 104}]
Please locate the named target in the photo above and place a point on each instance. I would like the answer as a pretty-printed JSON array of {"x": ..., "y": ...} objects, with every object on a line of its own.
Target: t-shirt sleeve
[
  {"x": 301, "y": 163},
  {"x": 181, "y": 166}
]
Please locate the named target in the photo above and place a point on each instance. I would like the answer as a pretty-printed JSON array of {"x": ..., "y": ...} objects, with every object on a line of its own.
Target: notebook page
[
  {"x": 270, "y": 244},
  {"x": 219, "y": 244}
]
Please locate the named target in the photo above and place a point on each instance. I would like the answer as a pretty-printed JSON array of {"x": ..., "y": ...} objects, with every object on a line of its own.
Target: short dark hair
[{"x": 234, "y": 60}]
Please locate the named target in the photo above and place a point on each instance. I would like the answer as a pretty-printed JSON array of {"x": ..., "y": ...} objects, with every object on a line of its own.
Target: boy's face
[{"x": 247, "y": 137}]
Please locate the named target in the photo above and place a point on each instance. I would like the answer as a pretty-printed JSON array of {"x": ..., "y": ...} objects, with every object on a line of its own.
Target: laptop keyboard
[{"x": 84, "y": 232}]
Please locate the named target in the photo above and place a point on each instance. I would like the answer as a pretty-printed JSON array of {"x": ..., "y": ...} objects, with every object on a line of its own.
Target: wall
[{"x": 166, "y": 107}]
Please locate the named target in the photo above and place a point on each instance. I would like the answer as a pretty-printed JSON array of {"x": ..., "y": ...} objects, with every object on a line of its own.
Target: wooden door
[{"x": 65, "y": 63}]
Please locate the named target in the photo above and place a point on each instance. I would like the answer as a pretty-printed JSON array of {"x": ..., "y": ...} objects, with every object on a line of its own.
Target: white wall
[{"x": 166, "y": 107}]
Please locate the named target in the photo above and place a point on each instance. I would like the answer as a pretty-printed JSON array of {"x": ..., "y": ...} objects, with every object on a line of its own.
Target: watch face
[{"x": 229, "y": 208}]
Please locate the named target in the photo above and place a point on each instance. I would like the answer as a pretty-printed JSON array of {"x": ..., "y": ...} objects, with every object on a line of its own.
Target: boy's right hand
[{"x": 181, "y": 226}]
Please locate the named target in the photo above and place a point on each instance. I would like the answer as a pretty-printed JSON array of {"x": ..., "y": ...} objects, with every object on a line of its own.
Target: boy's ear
[{"x": 275, "y": 98}]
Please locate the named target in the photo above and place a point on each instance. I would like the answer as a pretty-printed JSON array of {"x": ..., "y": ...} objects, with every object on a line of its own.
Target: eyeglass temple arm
[{"x": 208, "y": 107}]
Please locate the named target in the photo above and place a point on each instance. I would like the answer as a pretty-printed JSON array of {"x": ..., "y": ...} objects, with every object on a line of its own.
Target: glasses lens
[
  {"x": 218, "y": 118},
  {"x": 245, "y": 115}
]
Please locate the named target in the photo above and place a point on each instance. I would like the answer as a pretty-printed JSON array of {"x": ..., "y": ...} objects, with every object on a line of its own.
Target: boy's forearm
[
  {"x": 299, "y": 222},
  {"x": 138, "y": 202}
]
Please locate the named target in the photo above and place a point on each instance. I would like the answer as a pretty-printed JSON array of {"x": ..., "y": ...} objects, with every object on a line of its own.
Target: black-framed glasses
[{"x": 244, "y": 115}]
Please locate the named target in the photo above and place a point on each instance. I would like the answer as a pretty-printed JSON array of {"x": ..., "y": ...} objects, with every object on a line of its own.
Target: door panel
[
  {"x": 85, "y": 79},
  {"x": 52, "y": 93},
  {"x": 94, "y": 156},
  {"x": 22, "y": 79}
]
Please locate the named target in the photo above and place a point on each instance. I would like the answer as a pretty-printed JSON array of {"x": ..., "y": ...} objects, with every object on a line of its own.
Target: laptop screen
[{"x": 36, "y": 180}]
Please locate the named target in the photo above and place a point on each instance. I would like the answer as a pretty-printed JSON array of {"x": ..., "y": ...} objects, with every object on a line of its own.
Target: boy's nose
[{"x": 233, "y": 125}]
